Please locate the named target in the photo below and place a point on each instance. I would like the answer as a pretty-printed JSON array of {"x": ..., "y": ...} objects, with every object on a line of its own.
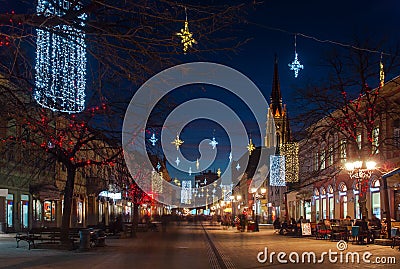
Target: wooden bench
[
  {"x": 29, "y": 238},
  {"x": 44, "y": 234},
  {"x": 97, "y": 238}
]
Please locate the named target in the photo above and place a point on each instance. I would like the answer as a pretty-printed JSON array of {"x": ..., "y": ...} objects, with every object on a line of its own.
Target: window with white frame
[{"x": 316, "y": 161}]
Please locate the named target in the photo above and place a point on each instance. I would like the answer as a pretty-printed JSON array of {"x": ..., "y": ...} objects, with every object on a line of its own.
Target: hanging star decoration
[
  {"x": 250, "y": 147},
  {"x": 158, "y": 166},
  {"x": 177, "y": 161},
  {"x": 381, "y": 74},
  {"x": 197, "y": 164},
  {"x": 238, "y": 166},
  {"x": 219, "y": 172},
  {"x": 186, "y": 36},
  {"x": 153, "y": 139},
  {"x": 177, "y": 142},
  {"x": 295, "y": 65},
  {"x": 213, "y": 143},
  {"x": 190, "y": 171},
  {"x": 230, "y": 157}
]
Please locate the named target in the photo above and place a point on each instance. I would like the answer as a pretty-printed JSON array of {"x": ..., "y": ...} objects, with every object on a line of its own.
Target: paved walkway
[
  {"x": 243, "y": 248},
  {"x": 193, "y": 246}
]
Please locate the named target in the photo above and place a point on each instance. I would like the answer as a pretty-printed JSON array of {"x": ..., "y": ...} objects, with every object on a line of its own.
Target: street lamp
[
  {"x": 361, "y": 171},
  {"x": 255, "y": 197},
  {"x": 235, "y": 198}
]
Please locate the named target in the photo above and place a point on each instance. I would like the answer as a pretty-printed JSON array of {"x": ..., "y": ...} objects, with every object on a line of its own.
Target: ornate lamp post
[
  {"x": 255, "y": 197},
  {"x": 361, "y": 171},
  {"x": 235, "y": 199}
]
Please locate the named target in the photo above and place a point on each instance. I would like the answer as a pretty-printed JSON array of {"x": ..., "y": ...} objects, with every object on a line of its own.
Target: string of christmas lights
[{"x": 60, "y": 78}]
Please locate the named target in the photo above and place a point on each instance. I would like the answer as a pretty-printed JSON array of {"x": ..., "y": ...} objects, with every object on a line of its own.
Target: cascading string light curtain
[{"x": 60, "y": 78}]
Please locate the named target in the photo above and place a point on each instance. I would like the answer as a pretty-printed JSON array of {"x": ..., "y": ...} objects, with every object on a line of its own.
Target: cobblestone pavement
[
  {"x": 188, "y": 246},
  {"x": 243, "y": 248}
]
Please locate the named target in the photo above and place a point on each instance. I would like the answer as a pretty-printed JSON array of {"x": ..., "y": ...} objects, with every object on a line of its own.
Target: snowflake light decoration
[
  {"x": 153, "y": 139},
  {"x": 158, "y": 166},
  {"x": 295, "y": 65},
  {"x": 186, "y": 36},
  {"x": 177, "y": 161},
  {"x": 60, "y": 78},
  {"x": 213, "y": 143},
  {"x": 237, "y": 166}
]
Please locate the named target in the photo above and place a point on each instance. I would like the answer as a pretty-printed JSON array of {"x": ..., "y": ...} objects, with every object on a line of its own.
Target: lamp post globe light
[
  {"x": 255, "y": 204},
  {"x": 235, "y": 199},
  {"x": 361, "y": 171}
]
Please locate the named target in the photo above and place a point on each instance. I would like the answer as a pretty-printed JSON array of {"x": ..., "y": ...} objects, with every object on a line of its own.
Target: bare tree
[{"x": 127, "y": 41}]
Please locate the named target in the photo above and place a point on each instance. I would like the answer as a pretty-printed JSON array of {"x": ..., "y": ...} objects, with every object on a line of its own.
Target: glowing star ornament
[
  {"x": 219, "y": 172},
  {"x": 295, "y": 65},
  {"x": 60, "y": 77},
  {"x": 197, "y": 164},
  {"x": 238, "y": 167},
  {"x": 153, "y": 139},
  {"x": 213, "y": 143},
  {"x": 250, "y": 147},
  {"x": 230, "y": 157},
  {"x": 381, "y": 74},
  {"x": 158, "y": 166},
  {"x": 177, "y": 161},
  {"x": 177, "y": 142},
  {"x": 186, "y": 36},
  {"x": 190, "y": 171}
]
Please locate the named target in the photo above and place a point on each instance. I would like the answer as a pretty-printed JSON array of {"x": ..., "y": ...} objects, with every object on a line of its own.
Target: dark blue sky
[
  {"x": 338, "y": 21},
  {"x": 271, "y": 27}
]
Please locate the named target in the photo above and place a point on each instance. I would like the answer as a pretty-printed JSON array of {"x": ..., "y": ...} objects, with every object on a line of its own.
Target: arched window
[
  {"x": 342, "y": 187},
  {"x": 343, "y": 199},
  {"x": 375, "y": 196},
  {"x": 356, "y": 192},
  {"x": 331, "y": 199},
  {"x": 323, "y": 201},
  {"x": 317, "y": 204}
]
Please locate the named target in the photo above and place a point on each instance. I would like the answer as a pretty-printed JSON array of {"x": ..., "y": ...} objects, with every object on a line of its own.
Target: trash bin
[{"x": 84, "y": 236}]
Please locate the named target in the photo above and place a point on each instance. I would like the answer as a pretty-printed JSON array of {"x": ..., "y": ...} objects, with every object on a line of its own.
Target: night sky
[
  {"x": 338, "y": 21},
  {"x": 271, "y": 27}
]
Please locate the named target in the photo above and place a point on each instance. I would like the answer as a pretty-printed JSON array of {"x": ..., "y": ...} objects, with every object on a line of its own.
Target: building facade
[{"x": 327, "y": 190}]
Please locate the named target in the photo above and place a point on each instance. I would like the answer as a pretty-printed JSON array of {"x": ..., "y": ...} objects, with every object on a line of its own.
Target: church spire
[{"x": 276, "y": 97}]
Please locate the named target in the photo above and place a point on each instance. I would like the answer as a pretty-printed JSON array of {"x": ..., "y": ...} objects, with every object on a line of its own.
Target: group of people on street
[{"x": 292, "y": 227}]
